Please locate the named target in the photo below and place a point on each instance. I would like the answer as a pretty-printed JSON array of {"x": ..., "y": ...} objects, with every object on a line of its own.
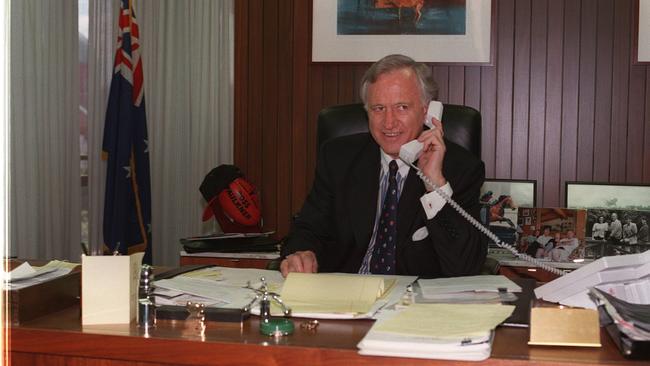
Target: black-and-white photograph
[
  {"x": 500, "y": 199},
  {"x": 616, "y": 232},
  {"x": 552, "y": 234},
  {"x": 607, "y": 196}
]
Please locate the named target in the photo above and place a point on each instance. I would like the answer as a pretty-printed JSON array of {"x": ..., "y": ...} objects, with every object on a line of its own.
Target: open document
[
  {"x": 324, "y": 296},
  {"x": 333, "y": 293},
  {"x": 441, "y": 331}
]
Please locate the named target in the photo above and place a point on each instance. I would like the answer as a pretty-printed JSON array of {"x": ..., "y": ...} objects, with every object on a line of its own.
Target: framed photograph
[
  {"x": 616, "y": 232},
  {"x": 435, "y": 31},
  {"x": 557, "y": 236},
  {"x": 641, "y": 33},
  {"x": 607, "y": 196},
  {"x": 521, "y": 192},
  {"x": 500, "y": 200}
]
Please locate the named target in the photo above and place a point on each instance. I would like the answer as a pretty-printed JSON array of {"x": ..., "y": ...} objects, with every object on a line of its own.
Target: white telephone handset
[{"x": 411, "y": 151}]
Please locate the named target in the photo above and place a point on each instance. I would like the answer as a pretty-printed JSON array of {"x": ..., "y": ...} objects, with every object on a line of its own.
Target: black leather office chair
[{"x": 461, "y": 124}]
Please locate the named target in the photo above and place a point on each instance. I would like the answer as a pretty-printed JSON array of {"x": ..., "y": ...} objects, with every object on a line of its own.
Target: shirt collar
[{"x": 402, "y": 168}]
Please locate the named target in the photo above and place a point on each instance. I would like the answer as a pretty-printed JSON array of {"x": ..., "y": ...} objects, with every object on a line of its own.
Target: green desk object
[{"x": 276, "y": 327}]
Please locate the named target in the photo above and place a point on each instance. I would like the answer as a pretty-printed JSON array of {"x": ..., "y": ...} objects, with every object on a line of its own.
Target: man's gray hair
[{"x": 428, "y": 86}]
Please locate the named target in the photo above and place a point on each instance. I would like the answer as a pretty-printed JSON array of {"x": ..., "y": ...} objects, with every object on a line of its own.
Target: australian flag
[{"x": 127, "y": 203}]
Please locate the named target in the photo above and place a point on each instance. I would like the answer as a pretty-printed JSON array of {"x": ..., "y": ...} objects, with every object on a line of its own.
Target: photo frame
[
  {"x": 500, "y": 200},
  {"x": 365, "y": 31},
  {"x": 590, "y": 195},
  {"x": 641, "y": 32},
  {"x": 522, "y": 191},
  {"x": 611, "y": 232},
  {"x": 552, "y": 234}
]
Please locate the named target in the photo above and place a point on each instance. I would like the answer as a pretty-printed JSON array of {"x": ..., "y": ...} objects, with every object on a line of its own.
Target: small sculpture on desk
[
  {"x": 146, "y": 303},
  {"x": 197, "y": 314},
  {"x": 269, "y": 325}
]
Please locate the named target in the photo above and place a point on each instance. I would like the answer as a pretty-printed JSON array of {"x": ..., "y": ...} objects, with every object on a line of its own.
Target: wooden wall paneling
[
  {"x": 441, "y": 75},
  {"x": 570, "y": 74},
  {"x": 346, "y": 84},
  {"x": 521, "y": 90},
  {"x": 621, "y": 70},
  {"x": 359, "y": 71},
  {"x": 472, "y": 87},
  {"x": 636, "y": 107},
  {"x": 587, "y": 88},
  {"x": 330, "y": 85},
  {"x": 603, "y": 104},
  {"x": 242, "y": 64},
  {"x": 299, "y": 119},
  {"x": 284, "y": 124},
  {"x": 553, "y": 121},
  {"x": 456, "y": 85},
  {"x": 538, "y": 29},
  {"x": 252, "y": 167},
  {"x": 646, "y": 129},
  {"x": 269, "y": 112},
  {"x": 505, "y": 59},
  {"x": 315, "y": 99},
  {"x": 488, "y": 118}
]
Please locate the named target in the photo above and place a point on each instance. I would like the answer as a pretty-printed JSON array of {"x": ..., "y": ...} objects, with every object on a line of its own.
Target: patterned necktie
[{"x": 383, "y": 254}]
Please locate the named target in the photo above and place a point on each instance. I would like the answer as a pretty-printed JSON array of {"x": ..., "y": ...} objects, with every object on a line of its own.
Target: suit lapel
[
  {"x": 409, "y": 206},
  {"x": 363, "y": 189}
]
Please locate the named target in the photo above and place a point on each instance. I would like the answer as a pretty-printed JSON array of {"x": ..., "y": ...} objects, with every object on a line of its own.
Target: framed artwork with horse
[
  {"x": 436, "y": 31},
  {"x": 500, "y": 200}
]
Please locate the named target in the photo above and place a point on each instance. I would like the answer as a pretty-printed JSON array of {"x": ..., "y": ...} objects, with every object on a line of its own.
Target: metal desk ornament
[
  {"x": 197, "y": 313},
  {"x": 146, "y": 305},
  {"x": 270, "y": 326}
]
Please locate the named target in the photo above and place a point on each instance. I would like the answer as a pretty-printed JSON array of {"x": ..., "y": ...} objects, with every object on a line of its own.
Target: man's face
[
  {"x": 614, "y": 217},
  {"x": 395, "y": 110}
]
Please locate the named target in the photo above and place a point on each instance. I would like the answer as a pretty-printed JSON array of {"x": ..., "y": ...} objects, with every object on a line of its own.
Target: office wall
[{"x": 562, "y": 101}]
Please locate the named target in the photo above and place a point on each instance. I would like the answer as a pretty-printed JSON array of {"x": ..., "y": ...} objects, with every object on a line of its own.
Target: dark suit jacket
[{"x": 337, "y": 218}]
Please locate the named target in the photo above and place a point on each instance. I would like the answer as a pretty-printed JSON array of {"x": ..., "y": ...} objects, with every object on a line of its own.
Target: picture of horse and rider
[{"x": 500, "y": 199}]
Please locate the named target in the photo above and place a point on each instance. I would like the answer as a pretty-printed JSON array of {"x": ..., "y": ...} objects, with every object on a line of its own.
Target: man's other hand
[{"x": 304, "y": 262}]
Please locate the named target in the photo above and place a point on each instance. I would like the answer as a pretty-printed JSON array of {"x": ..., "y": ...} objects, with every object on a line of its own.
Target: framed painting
[
  {"x": 641, "y": 33},
  {"x": 434, "y": 31}
]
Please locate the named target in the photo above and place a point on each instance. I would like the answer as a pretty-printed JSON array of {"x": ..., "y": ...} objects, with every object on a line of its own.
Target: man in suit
[{"x": 341, "y": 227}]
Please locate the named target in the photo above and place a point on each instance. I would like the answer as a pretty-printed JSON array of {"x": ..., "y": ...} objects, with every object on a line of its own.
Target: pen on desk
[{"x": 84, "y": 248}]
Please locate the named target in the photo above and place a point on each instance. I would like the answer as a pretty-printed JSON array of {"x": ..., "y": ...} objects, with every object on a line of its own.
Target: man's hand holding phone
[{"x": 433, "y": 153}]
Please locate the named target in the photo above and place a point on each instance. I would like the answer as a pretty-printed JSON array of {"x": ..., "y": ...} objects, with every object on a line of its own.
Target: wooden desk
[{"x": 59, "y": 339}]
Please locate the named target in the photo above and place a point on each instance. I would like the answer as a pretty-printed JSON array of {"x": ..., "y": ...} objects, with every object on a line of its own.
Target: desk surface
[{"x": 60, "y": 339}]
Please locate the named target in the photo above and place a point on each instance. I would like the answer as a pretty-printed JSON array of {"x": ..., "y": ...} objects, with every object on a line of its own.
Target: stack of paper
[
  {"x": 25, "y": 275},
  {"x": 470, "y": 289},
  {"x": 440, "y": 331},
  {"x": 333, "y": 293}
]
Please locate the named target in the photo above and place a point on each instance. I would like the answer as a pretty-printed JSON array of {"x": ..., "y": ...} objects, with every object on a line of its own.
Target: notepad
[
  {"x": 446, "y": 320},
  {"x": 442, "y": 331},
  {"x": 333, "y": 293}
]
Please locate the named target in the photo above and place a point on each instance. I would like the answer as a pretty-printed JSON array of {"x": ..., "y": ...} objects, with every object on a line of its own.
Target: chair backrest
[{"x": 461, "y": 124}]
